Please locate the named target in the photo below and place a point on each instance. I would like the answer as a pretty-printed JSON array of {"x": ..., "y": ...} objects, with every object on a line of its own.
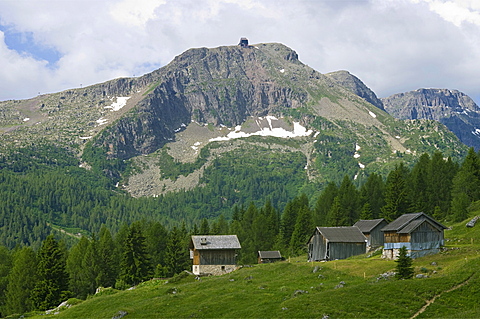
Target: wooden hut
[
  {"x": 243, "y": 42},
  {"x": 372, "y": 229},
  {"x": 214, "y": 255},
  {"x": 418, "y": 232},
  {"x": 330, "y": 243},
  {"x": 266, "y": 256}
]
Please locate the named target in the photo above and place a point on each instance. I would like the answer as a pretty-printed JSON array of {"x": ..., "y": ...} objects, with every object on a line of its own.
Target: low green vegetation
[{"x": 352, "y": 288}]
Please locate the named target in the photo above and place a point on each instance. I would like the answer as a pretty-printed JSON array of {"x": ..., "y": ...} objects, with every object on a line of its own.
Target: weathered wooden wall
[
  {"x": 215, "y": 257},
  {"x": 345, "y": 250}
]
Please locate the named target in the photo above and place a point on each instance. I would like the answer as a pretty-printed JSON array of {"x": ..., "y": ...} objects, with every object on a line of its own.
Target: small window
[{"x": 223, "y": 268}]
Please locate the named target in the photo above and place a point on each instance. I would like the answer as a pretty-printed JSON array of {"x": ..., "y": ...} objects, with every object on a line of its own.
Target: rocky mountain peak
[
  {"x": 451, "y": 107},
  {"x": 354, "y": 84}
]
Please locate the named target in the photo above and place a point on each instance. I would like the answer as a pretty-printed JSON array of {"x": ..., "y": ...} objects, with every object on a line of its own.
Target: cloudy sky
[{"x": 392, "y": 45}]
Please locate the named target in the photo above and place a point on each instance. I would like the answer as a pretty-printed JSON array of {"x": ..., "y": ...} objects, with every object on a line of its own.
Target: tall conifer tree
[
  {"x": 135, "y": 264},
  {"x": 52, "y": 284},
  {"x": 21, "y": 281}
]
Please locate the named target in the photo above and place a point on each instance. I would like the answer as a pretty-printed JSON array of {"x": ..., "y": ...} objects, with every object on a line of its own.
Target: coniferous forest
[{"x": 64, "y": 231}]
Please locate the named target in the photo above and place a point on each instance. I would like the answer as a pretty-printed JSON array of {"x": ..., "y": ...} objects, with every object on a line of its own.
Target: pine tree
[
  {"x": 108, "y": 268},
  {"x": 404, "y": 265},
  {"x": 135, "y": 264},
  {"x": 51, "y": 287},
  {"x": 419, "y": 183},
  {"x": 397, "y": 199},
  {"x": 302, "y": 231},
  {"x": 176, "y": 255},
  {"x": 372, "y": 192},
  {"x": 204, "y": 227},
  {"x": 348, "y": 196},
  {"x": 21, "y": 281},
  {"x": 336, "y": 216},
  {"x": 5, "y": 266},
  {"x": 466, "y": 185},
  {"x": 78, "y": 274},
  {"x": 323, "y": 204},
  {"x": 366, "y": 212}
]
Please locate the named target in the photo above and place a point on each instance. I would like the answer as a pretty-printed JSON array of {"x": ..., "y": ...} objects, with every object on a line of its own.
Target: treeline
[
  {"x": 43, "y": 190},
  {"x": 40, "y": 280},
  {"x": 137, "y": 251}
]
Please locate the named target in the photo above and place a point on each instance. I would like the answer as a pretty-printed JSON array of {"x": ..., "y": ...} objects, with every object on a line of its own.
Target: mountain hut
[
  {"x": 265, "y": 256},
  {"x": 372, "y": 229},
  {"x": 243, "y": 42},
  {"x": 419, "y": 233},
  {"x": 214, "y": 255},
  {"x": 330, "y": 243}
]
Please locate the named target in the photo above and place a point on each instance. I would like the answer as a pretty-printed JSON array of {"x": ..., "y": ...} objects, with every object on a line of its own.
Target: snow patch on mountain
[
  {"x": 119, "y": 104},
  {"x": 298, "y": 131}
]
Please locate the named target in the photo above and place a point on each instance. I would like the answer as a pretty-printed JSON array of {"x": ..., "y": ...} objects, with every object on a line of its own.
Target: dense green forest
[{"x": 49, "y": 201}]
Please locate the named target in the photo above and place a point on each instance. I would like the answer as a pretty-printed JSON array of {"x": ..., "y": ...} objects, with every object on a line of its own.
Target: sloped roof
[
  {"x": 403, "y": 221},
  {"x": 216, "y": 242},
  {"x": 367, "y": 225},
  {"x": 350, "y": 234},
  {"x": 269, "y": 254}
]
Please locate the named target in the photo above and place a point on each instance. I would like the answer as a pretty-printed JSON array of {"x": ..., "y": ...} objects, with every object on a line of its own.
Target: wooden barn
[
  {"x": 418, "y": 232},
  {"x": 330, "y": 243},
  {"x": 372, "y": 229},
  {"x": 214, "y": 255},
  {"x": 266, "y": 256}
]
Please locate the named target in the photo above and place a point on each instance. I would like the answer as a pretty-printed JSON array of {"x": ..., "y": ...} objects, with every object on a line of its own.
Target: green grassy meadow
[{"x": 298, "y": 289}]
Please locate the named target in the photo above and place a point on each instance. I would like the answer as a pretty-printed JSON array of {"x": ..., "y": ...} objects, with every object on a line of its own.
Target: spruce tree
[
  {"x": 51, "y": 287},
  {"x": 397, "y": 196},
  {"x": 372, "y": 192},
  {"x": 323, "y": 204},
  {"x": 21, "y": 282},
  {"x": 302, "y": 231},
  {"x": 78, "y": 274},
  {"x": 135, "y": 264},
  {"x": 404, "y": 265},
  {"x": 108, "y": 268},
  {"x": 176, "y": 255},
  {"x": 466, "y": 186},
  {"x": 5, "y": 266}
]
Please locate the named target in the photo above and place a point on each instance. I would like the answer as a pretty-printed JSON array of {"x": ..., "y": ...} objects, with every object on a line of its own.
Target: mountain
[
  {"x": 164, "y": 131},
  {"x": 354, "y": 84},
  {"x": 453, "y": 108}
]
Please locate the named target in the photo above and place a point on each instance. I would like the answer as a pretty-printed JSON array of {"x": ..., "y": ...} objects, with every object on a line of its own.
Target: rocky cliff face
[
  {"x": 354, "y": 84},
  {"x": 453, "y": 108},
  {"x": 221, "y": 86}
]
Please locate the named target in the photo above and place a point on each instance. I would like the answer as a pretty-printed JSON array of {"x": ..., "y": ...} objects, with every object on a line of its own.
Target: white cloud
[
  {"x": 392, "y": 45},
  {"x": 135, "y": 12}
]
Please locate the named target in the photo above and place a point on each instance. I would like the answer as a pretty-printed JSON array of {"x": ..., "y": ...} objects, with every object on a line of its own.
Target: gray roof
[
  {"x": 367, "y": 225},
  {"x": 401, "y": 224},
  {"x": 216, "y": 242},
  {"x": 269, "y": 254},
  {"x": 350, "y": 234}
]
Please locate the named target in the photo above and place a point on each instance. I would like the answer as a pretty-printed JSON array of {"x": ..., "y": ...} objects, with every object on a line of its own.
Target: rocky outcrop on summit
[
  {"x": 453, "y": 108},
  {"x": 221, "y": 86},
  {"x": 354, "y": 84}
]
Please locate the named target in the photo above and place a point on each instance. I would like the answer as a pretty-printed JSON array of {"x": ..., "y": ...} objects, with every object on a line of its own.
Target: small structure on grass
[
  {"x": 266, "y": 256},
  {"x": 372, "y": 229},
  {"x": 419, "y": 233},
  {"x": 214, "y": 255},
  {"x": 330, "y": 243}
]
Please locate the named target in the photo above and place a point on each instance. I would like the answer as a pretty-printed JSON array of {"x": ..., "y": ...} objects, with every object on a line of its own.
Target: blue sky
[{"x": 392, "y": 45}]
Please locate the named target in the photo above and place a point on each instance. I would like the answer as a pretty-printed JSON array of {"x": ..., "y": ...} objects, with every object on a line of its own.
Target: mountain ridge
[{"x": 222, "y": 89}]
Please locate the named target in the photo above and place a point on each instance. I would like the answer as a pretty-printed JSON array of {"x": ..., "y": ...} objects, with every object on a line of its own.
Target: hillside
[
  {"x": 295, "y": 288},
  {"x": 454, "y": 109},
  {"x": 205, "y": 94}
]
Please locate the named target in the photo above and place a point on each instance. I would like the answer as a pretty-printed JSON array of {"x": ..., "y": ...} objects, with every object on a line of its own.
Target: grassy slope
[{"x": 268, "y": 291}]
